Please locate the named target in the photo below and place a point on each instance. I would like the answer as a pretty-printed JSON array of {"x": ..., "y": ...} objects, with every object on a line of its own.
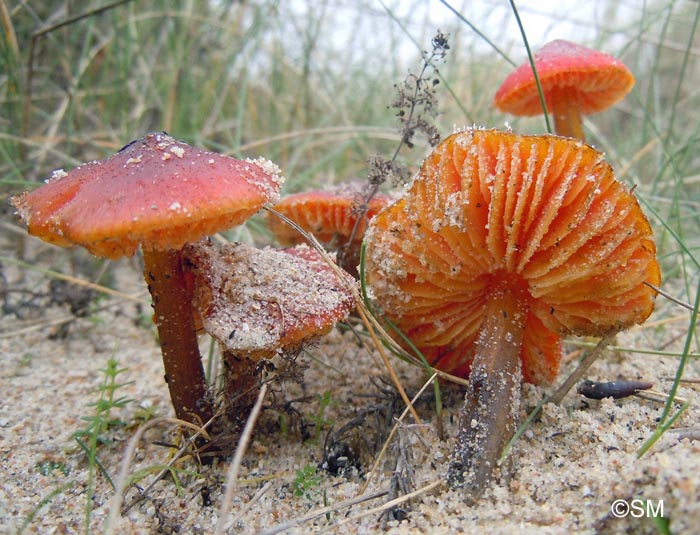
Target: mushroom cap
[
  {"x": 156, "y": 192},
  {"x": 543, "y": 215},
  {"x": 598, "y": 80},
  {"x": 261, "y": 302},
  {"x": 327, "y": 214}
]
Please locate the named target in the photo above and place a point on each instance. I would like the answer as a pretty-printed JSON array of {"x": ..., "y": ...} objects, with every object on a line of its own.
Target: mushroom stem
[
  {"x": 242, "y": 385},
  {"x": 172, "y": 298},
  {"x": 492, "y": 401},
  {"x": 567, "y": 113}
]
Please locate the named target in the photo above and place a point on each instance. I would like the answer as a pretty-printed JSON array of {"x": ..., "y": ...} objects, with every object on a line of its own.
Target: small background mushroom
[
  {"x": 575, "y": 80},
  {"x": 332, "y": 216}
]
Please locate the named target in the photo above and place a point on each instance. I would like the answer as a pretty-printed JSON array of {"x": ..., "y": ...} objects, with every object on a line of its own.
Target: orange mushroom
[
  {"x": 502, "y": 244},
  {"x": 157, "y": 193},
  {"x": 332, "y": 216},
  {"x": 575, "y": 80},
  {"x": 260, "y": 303}
]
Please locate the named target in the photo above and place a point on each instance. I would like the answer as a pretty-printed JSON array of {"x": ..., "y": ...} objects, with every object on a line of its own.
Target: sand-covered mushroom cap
[
  {"x": 597, "y": 79},
  {"x": 261, "y": 302},
  {"x": 329, "y": 214},
  {"x": 156, "y": 192},
  {"x": 542, "y": 217}
]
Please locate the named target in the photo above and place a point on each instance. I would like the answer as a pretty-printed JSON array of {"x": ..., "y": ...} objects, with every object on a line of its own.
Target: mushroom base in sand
[{"x": 242, "y": 383}]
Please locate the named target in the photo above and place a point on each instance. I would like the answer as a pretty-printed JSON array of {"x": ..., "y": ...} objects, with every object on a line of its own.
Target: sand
[{"x": 568, "y": 468}]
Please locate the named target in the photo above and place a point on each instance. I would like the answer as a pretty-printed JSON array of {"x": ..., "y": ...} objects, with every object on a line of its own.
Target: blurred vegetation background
[{"x": 309, "y": 85}]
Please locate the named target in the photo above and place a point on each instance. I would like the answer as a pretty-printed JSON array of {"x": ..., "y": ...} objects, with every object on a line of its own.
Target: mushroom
[
  {"x": 261, "y": 303},
  {"x": 502, "y": 244},
  {"x": 332, "y": 216},
  {"x": 575, "y": 80},
  {"x": 157, "y": 193}
]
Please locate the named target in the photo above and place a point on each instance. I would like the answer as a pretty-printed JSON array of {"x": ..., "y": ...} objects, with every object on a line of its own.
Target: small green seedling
[
  {"x": 306, "y": 482},
  {"x": 49, "y": 466},
  {"x": 319, "y": 420},
  {"x": 95, "y": 432}
]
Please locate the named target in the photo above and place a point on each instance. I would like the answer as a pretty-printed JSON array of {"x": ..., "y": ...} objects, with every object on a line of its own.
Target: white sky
[
  {"x": 607, "y": 24},
  {"x": 582, "y": 21}
]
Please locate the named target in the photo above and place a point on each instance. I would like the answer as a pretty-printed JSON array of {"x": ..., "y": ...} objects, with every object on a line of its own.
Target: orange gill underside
[{"x": 541, "y": 213}]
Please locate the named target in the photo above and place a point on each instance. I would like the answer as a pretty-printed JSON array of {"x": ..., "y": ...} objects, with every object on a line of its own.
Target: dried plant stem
[
  {"x": 120, "y": 486},
  {"x": 323, "y": 511},
  {"x": 249, "y": 505},
  {"x": 387, "y": 363},
  {"x": 389, "y": 438},
  {"x": 387, "y": 505},
  {"x": 25, "y": 326},
  {"x": 232, "y": 475},
  {"x": 668, "y": 296},
  {"x": 646, "y": 149},
  {"x": 189, "y": 445},
  {"x": 73, "y": 280}
]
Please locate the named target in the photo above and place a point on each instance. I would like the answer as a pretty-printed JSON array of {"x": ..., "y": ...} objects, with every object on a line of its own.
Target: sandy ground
[{"x": 568, "y": 468}]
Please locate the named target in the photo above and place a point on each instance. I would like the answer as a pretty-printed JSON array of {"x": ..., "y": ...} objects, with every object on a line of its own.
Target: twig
[
  {"x": 401, "y": 482},
  {"x": 17, "y": 328},
  {"x": 36, "y": 326},
  {"x": 258, "y": 495},
  {"x": 185, "y": 447},
  {"x": 73, "y": 280},
  {"x": 660, "y": 397}
]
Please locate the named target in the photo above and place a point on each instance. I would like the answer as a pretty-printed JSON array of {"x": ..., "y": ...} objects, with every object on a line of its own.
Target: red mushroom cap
[
  {"x": 539, "y": 217},
  {"x": 156, "y": 192},
  {"x": 597, "y": 79},
  {"x": 327, "y": 214}
]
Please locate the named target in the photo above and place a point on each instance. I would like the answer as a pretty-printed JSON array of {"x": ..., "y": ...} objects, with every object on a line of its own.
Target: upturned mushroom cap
[
  {"x": 540, "y": 216},
  {"x": 597, "y": 80},
  {"x": 261, "y": 302},
  {"x": 327, "y": 214},
  {"x": 156, "y": 192}
]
